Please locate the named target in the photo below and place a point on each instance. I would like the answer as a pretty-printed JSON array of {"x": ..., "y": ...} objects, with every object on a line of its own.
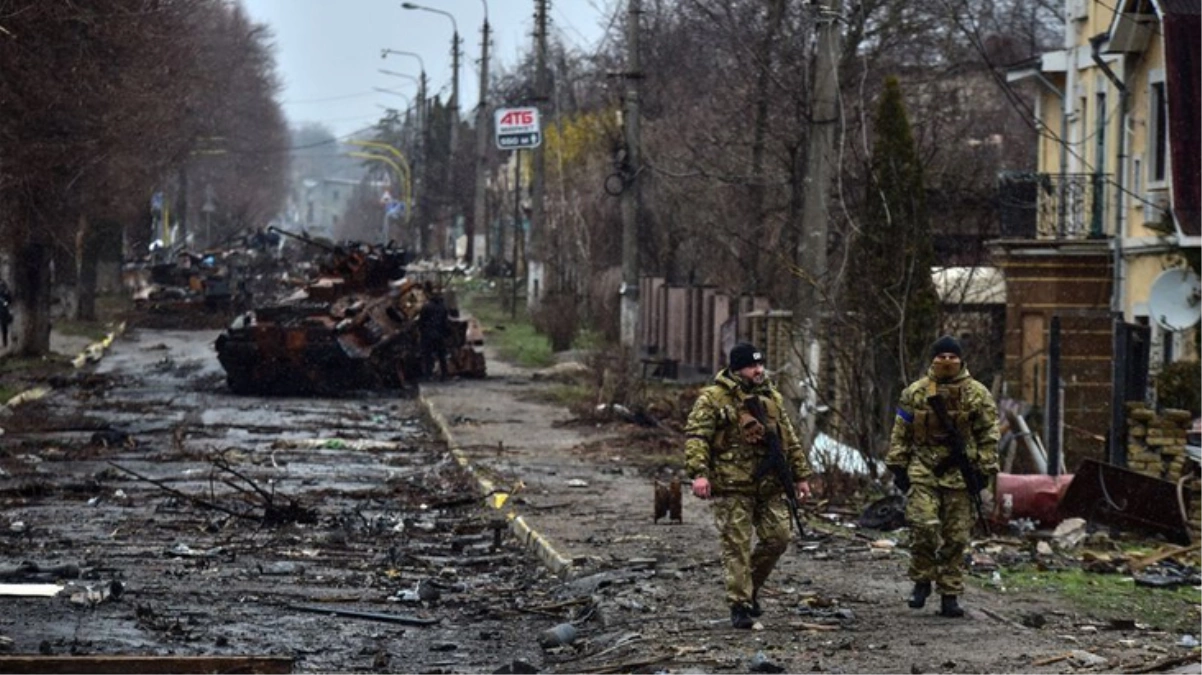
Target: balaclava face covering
[{"x": 946, "y": 370}]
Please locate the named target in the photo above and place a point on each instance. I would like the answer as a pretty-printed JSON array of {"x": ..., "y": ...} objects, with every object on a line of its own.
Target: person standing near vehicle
[
  {"x": 726, "y": 446},
  {"x": 434, "y": 326},
  {"x": 939, "y": 508}
]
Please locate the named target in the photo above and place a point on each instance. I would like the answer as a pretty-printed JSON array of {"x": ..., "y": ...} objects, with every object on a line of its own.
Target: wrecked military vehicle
[{"x": 355, "y": 326}]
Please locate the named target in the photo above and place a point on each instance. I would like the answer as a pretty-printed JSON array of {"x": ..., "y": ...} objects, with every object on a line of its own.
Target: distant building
[{"x": 319, "y": 205}]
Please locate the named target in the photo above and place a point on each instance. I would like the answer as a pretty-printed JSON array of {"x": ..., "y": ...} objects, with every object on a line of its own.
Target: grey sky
[{"x": 328, "y": 51}]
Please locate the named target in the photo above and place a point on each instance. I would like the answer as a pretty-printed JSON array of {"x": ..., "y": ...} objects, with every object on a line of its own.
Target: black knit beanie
[
  {"x": 743, "y": 355},
  {"x": 946, "y": 344}
]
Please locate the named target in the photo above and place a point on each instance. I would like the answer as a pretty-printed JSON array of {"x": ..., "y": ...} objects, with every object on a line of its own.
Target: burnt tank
[{"x": 354, "y": 326}]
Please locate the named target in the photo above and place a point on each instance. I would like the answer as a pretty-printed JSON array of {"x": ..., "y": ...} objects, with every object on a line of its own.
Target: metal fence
[{"x": 1052, "y": 206}]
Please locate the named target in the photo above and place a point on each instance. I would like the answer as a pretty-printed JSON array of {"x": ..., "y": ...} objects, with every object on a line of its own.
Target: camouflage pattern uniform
[
  {"x": 717, "y": 450},
  {"x": 938, "y": 509}
]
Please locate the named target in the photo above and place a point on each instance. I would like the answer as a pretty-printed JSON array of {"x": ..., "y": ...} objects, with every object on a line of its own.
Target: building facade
[{"x": 1113, "y": 205}]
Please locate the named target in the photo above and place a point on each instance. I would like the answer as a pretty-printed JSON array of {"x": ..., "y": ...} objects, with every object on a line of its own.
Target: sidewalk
[
  {"x": 82, "y": 350},
  {"x": 577, "y": 509}
]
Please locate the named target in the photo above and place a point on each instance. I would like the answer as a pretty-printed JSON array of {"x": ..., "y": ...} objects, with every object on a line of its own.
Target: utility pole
[
  {"x": 809, "y": 313},
  {"x": 631, "y": 196},
  {"x": 423, "y": 130},
  {"x": 480, "y": 213},
  {"x": 455, "y": 51},
  {"x": 540, "y": 235}
]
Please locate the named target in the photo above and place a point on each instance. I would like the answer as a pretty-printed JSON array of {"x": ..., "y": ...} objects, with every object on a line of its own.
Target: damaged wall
[{"x": 1156, "y": 447}]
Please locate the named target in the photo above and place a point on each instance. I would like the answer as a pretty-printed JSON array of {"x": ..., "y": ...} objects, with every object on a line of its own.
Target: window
[{"x": 1158, "y": 133}]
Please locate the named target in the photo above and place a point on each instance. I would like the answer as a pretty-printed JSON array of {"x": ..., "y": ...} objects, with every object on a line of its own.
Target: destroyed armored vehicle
[{"x": 355, "y": 326}]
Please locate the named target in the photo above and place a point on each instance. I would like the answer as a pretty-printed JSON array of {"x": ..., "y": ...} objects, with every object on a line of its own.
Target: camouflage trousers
[
  {"x": 940, "y": 521},
  {"x": 737, "y": 517}
]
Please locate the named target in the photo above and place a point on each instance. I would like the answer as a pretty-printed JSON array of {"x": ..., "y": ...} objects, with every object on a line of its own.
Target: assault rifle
[
  {"x": 776, "y": 463},
  {"x": 959, "y": 457}
]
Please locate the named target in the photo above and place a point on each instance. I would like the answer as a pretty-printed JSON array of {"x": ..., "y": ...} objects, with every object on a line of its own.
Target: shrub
[{"x": 1178, "y": 386}]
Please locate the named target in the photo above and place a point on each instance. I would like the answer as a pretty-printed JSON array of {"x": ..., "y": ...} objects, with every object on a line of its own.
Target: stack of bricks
[{"x": 1156, "y": 447}]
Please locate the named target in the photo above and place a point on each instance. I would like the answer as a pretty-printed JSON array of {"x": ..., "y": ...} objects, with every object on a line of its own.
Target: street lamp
[
  {"x": 480, "y": 207},
  {"x": 386, "y": 51},
  {"x": 394, "y": 92},
  {"x": 421, "y": 86},
  {"x": 454, "y": 60},
  {"x": 454, "y": 135},
  {"x": 404, "y": 75}
]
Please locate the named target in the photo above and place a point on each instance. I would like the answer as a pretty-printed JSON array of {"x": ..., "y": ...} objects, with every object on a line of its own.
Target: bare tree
[{"x": 105, "y": 101}]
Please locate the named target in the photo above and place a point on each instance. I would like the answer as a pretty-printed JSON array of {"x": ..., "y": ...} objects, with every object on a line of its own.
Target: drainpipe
[
  {"x": 1116, "y": 297},
  {"x": 1062, "y": 206},
  {"x": 1117, "y": 454}
]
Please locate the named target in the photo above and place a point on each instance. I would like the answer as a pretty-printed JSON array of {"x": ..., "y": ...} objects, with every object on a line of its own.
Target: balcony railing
[{"x": 1051, "y": 205}]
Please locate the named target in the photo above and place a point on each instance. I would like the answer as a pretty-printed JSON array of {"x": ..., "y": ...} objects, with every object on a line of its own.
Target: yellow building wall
[
  {"x": 1144, "y": 259},
  {"x": 1050, "y": 113},
  {"x": 1141, "y": 272},
  {"x": 1140, "y": 78},
  {"x": 1083, "y": 86}
]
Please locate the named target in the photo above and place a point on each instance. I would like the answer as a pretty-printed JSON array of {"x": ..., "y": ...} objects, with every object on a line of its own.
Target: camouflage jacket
[
  {"x": 918, "y": 440},
  {"x": 716, "y": 448}
]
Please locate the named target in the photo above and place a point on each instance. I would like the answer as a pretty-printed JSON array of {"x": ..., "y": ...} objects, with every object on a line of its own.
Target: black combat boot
[
  {"x": 949, "y": 607},
  {"x": 740, "y": 617},
  {"x": 755, "y": 610},
  {"x": 918, "y": 596}
]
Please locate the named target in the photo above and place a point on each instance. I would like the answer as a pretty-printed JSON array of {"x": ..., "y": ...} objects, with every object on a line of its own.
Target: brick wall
[{"x": 1156, "y": 447}]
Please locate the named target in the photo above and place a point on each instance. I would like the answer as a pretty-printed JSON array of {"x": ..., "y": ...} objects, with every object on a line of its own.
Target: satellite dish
[{"x": 1175, "y": 298}]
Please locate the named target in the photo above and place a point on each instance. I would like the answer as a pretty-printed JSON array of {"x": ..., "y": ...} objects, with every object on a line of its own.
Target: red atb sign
[{"x": 518, "y": 128}]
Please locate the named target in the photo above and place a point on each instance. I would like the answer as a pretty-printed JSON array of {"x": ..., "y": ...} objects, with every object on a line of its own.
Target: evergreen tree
[{"x": 889, "y": 289}]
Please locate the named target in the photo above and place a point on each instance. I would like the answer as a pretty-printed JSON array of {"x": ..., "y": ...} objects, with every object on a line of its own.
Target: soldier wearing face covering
[
  {"x": 938, "y": 508},
  {"x": 725, "y": 446}
]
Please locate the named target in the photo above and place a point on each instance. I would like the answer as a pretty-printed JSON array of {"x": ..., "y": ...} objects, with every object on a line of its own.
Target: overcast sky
[{"x": 328, "y": 51}]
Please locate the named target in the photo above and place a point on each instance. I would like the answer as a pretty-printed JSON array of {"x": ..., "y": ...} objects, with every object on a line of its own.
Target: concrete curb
[
  {"x": 530, "y": 538},
  {"x": 93, "y": 352},
  {"x": 90, "y": 354}
]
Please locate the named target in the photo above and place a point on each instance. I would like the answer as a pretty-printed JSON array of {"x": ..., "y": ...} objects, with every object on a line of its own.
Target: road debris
[
  {"x": 90, "y": 596},
  {"x": 136, "y": 665},
  {"x": 30, "y": 590},
  {"x": 370, "y": 616},
  {"x": 32, "y": 571},
  {"x": 1111, "y": 495}
]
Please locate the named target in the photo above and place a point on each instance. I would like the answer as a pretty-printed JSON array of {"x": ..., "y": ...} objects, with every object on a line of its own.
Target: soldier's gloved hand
[
  {"x": 901, "y": 478},
  {"x": 988, "y": 488},
  {"x": 753, "y": 431},
  {"x": 701, "y": 487},
  {"x": 988, "y": 505}
]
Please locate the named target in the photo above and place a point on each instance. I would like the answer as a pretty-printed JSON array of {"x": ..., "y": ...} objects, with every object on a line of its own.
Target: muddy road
[
  {"x": 194, "y": 522},
  {"x": 218, "y": 515}
]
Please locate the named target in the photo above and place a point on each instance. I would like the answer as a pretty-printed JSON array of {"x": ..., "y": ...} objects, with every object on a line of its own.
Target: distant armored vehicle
[{"x": 353, "y": 327}]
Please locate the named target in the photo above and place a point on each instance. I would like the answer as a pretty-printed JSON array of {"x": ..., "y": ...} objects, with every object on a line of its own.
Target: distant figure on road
[
  {"x": 434, "y": 328},
  {"x": 6, "y": 312},
  {"x": 725, "y": 447},
  {"x": 938, "y": 507}
]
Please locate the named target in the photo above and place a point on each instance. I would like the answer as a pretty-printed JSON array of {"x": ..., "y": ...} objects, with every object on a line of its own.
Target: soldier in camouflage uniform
[
  {"x": 938, "y": 507},
  {"x": 725, "y": 446}
]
